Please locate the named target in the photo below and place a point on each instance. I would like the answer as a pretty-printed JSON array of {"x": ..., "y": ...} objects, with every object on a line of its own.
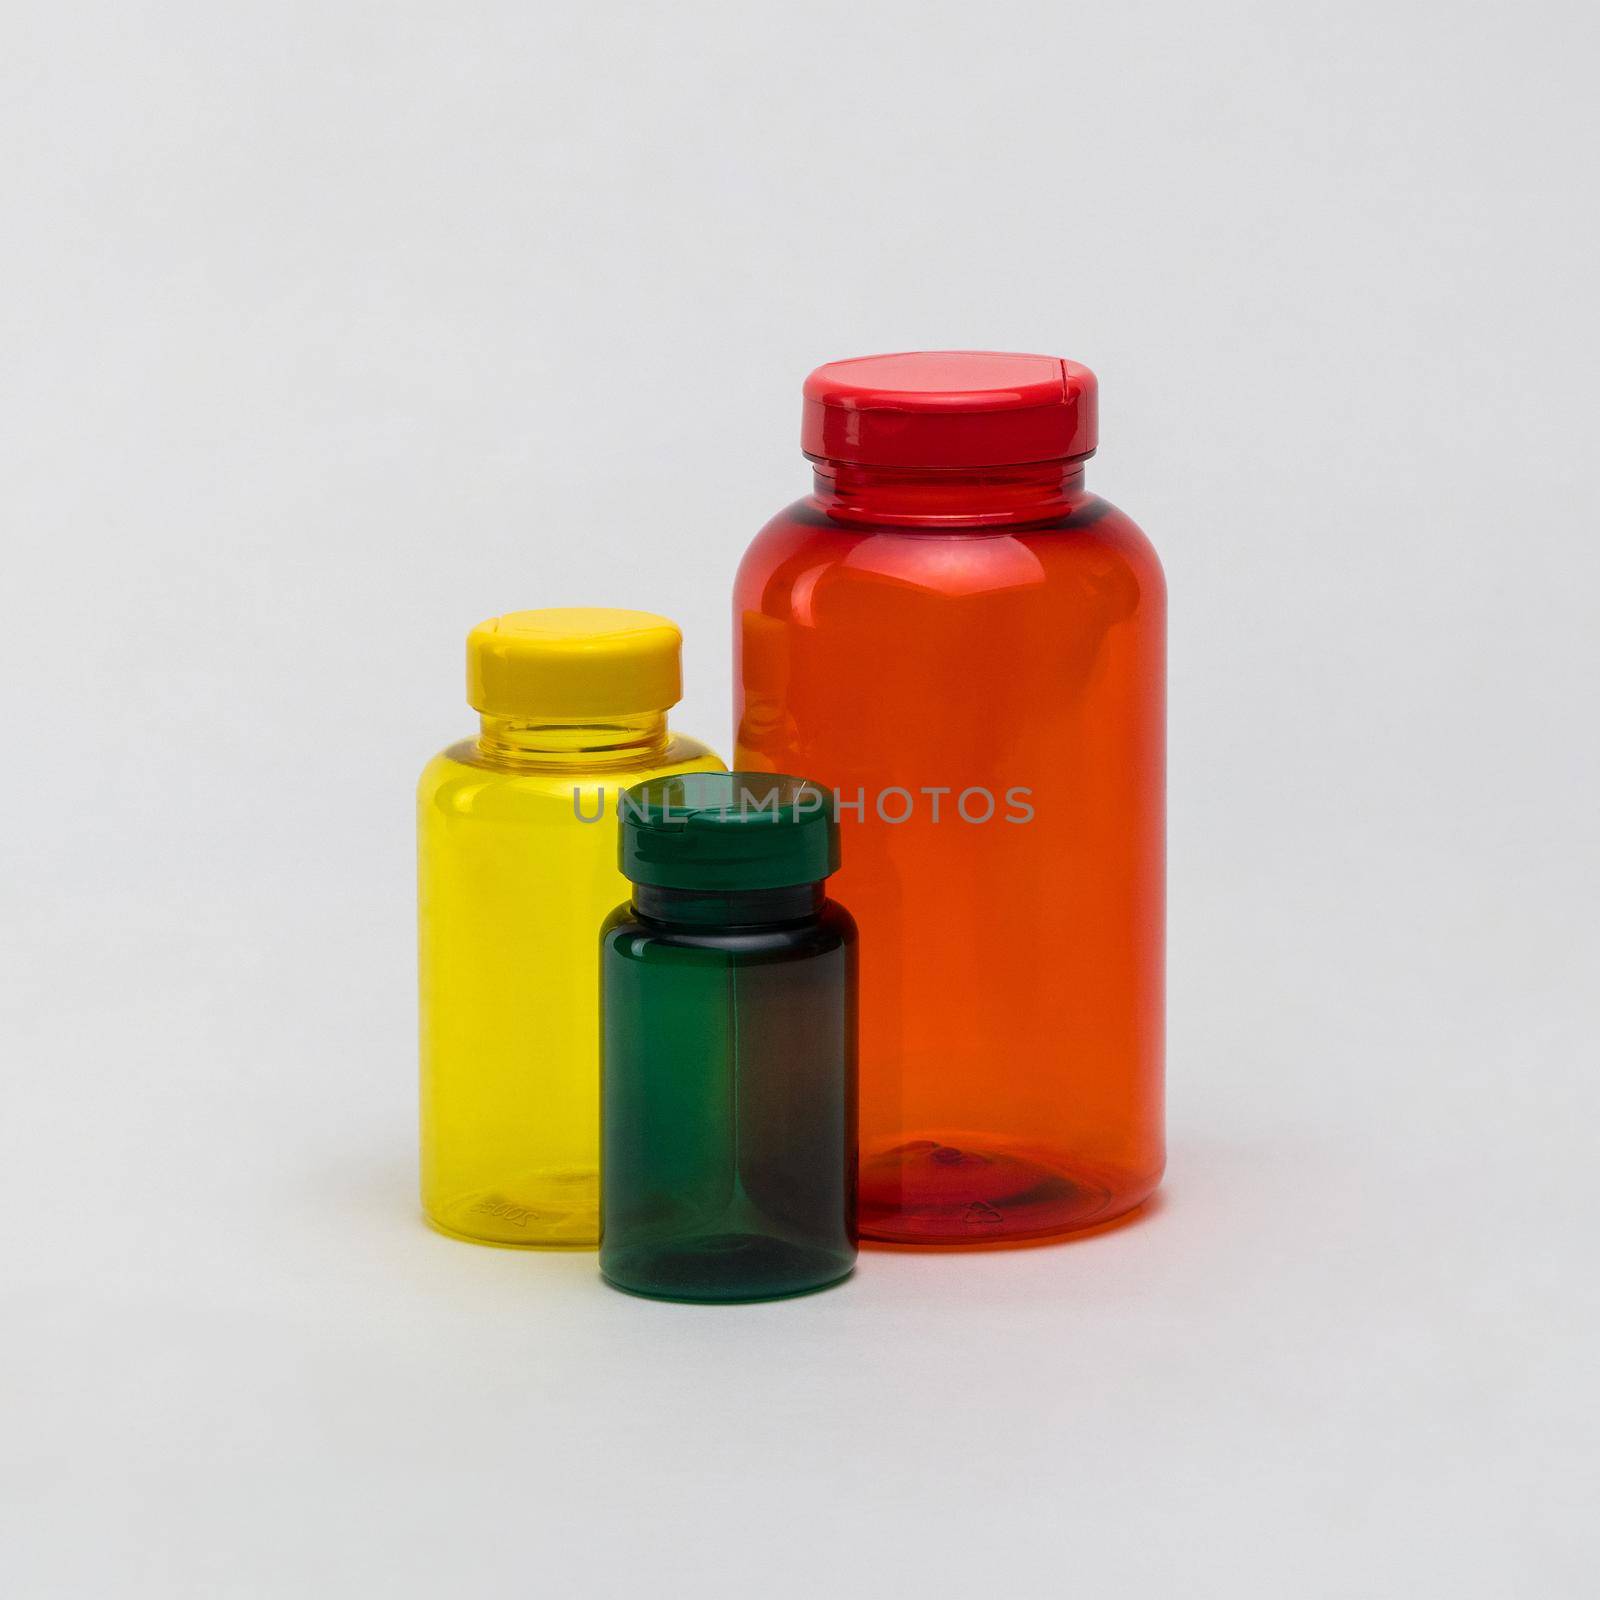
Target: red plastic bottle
[{"x": 952, "y": 633}]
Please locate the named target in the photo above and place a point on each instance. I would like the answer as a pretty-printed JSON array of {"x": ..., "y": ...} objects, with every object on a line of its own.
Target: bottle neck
[
  {"x": 727, "y": 908},
  {"x": 571, "y": 742},
  {"x": 940, "y": 497}
]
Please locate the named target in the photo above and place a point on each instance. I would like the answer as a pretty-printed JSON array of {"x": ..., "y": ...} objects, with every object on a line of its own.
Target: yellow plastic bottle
[{"x": 517, "y": 857}]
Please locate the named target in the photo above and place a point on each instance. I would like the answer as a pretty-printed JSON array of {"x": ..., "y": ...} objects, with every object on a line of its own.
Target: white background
[{"x": 330, "y": 328}]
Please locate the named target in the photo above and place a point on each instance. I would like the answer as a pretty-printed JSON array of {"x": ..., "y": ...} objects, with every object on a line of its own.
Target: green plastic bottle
[{"x": 728, "y": 1076}]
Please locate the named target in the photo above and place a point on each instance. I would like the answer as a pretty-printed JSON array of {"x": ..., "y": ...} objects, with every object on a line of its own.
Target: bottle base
[
  {"x": 557, "y": 1210},
  {"x": 969, "y": 1189},
  {"x": 723, "y": 1268}
]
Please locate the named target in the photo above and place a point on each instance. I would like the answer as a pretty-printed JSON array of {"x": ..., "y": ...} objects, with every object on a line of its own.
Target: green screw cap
[{"x": 727, "y": 830}]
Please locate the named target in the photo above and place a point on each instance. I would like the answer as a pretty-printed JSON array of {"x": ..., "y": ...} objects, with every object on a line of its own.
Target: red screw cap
[{"x": 950, "y": 408}]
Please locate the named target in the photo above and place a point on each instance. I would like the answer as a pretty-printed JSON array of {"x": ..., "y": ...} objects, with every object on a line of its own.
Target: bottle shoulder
[
  {"x": 838, "y": 921},
  {"x": 685, "y": 755},
  {"x": 460, "y": 778},
  {"x": 802, "y": 548}
]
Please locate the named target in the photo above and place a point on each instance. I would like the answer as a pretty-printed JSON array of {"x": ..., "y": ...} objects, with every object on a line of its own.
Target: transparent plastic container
[
  {"x": 729, "y": 1078},
  {"x": 517, "y": 856},
  {"x": 968, "y": 646}
]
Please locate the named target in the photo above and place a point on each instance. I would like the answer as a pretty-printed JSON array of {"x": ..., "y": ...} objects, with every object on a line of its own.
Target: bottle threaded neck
[
  {"x": 728, "y": 908},
  {"x": 579, "y": 742},
  {"x": 947, "y": 497}
]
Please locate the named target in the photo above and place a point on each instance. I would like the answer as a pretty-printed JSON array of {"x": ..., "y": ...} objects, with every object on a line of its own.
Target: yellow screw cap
[{"x": 573, "y": 661}]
